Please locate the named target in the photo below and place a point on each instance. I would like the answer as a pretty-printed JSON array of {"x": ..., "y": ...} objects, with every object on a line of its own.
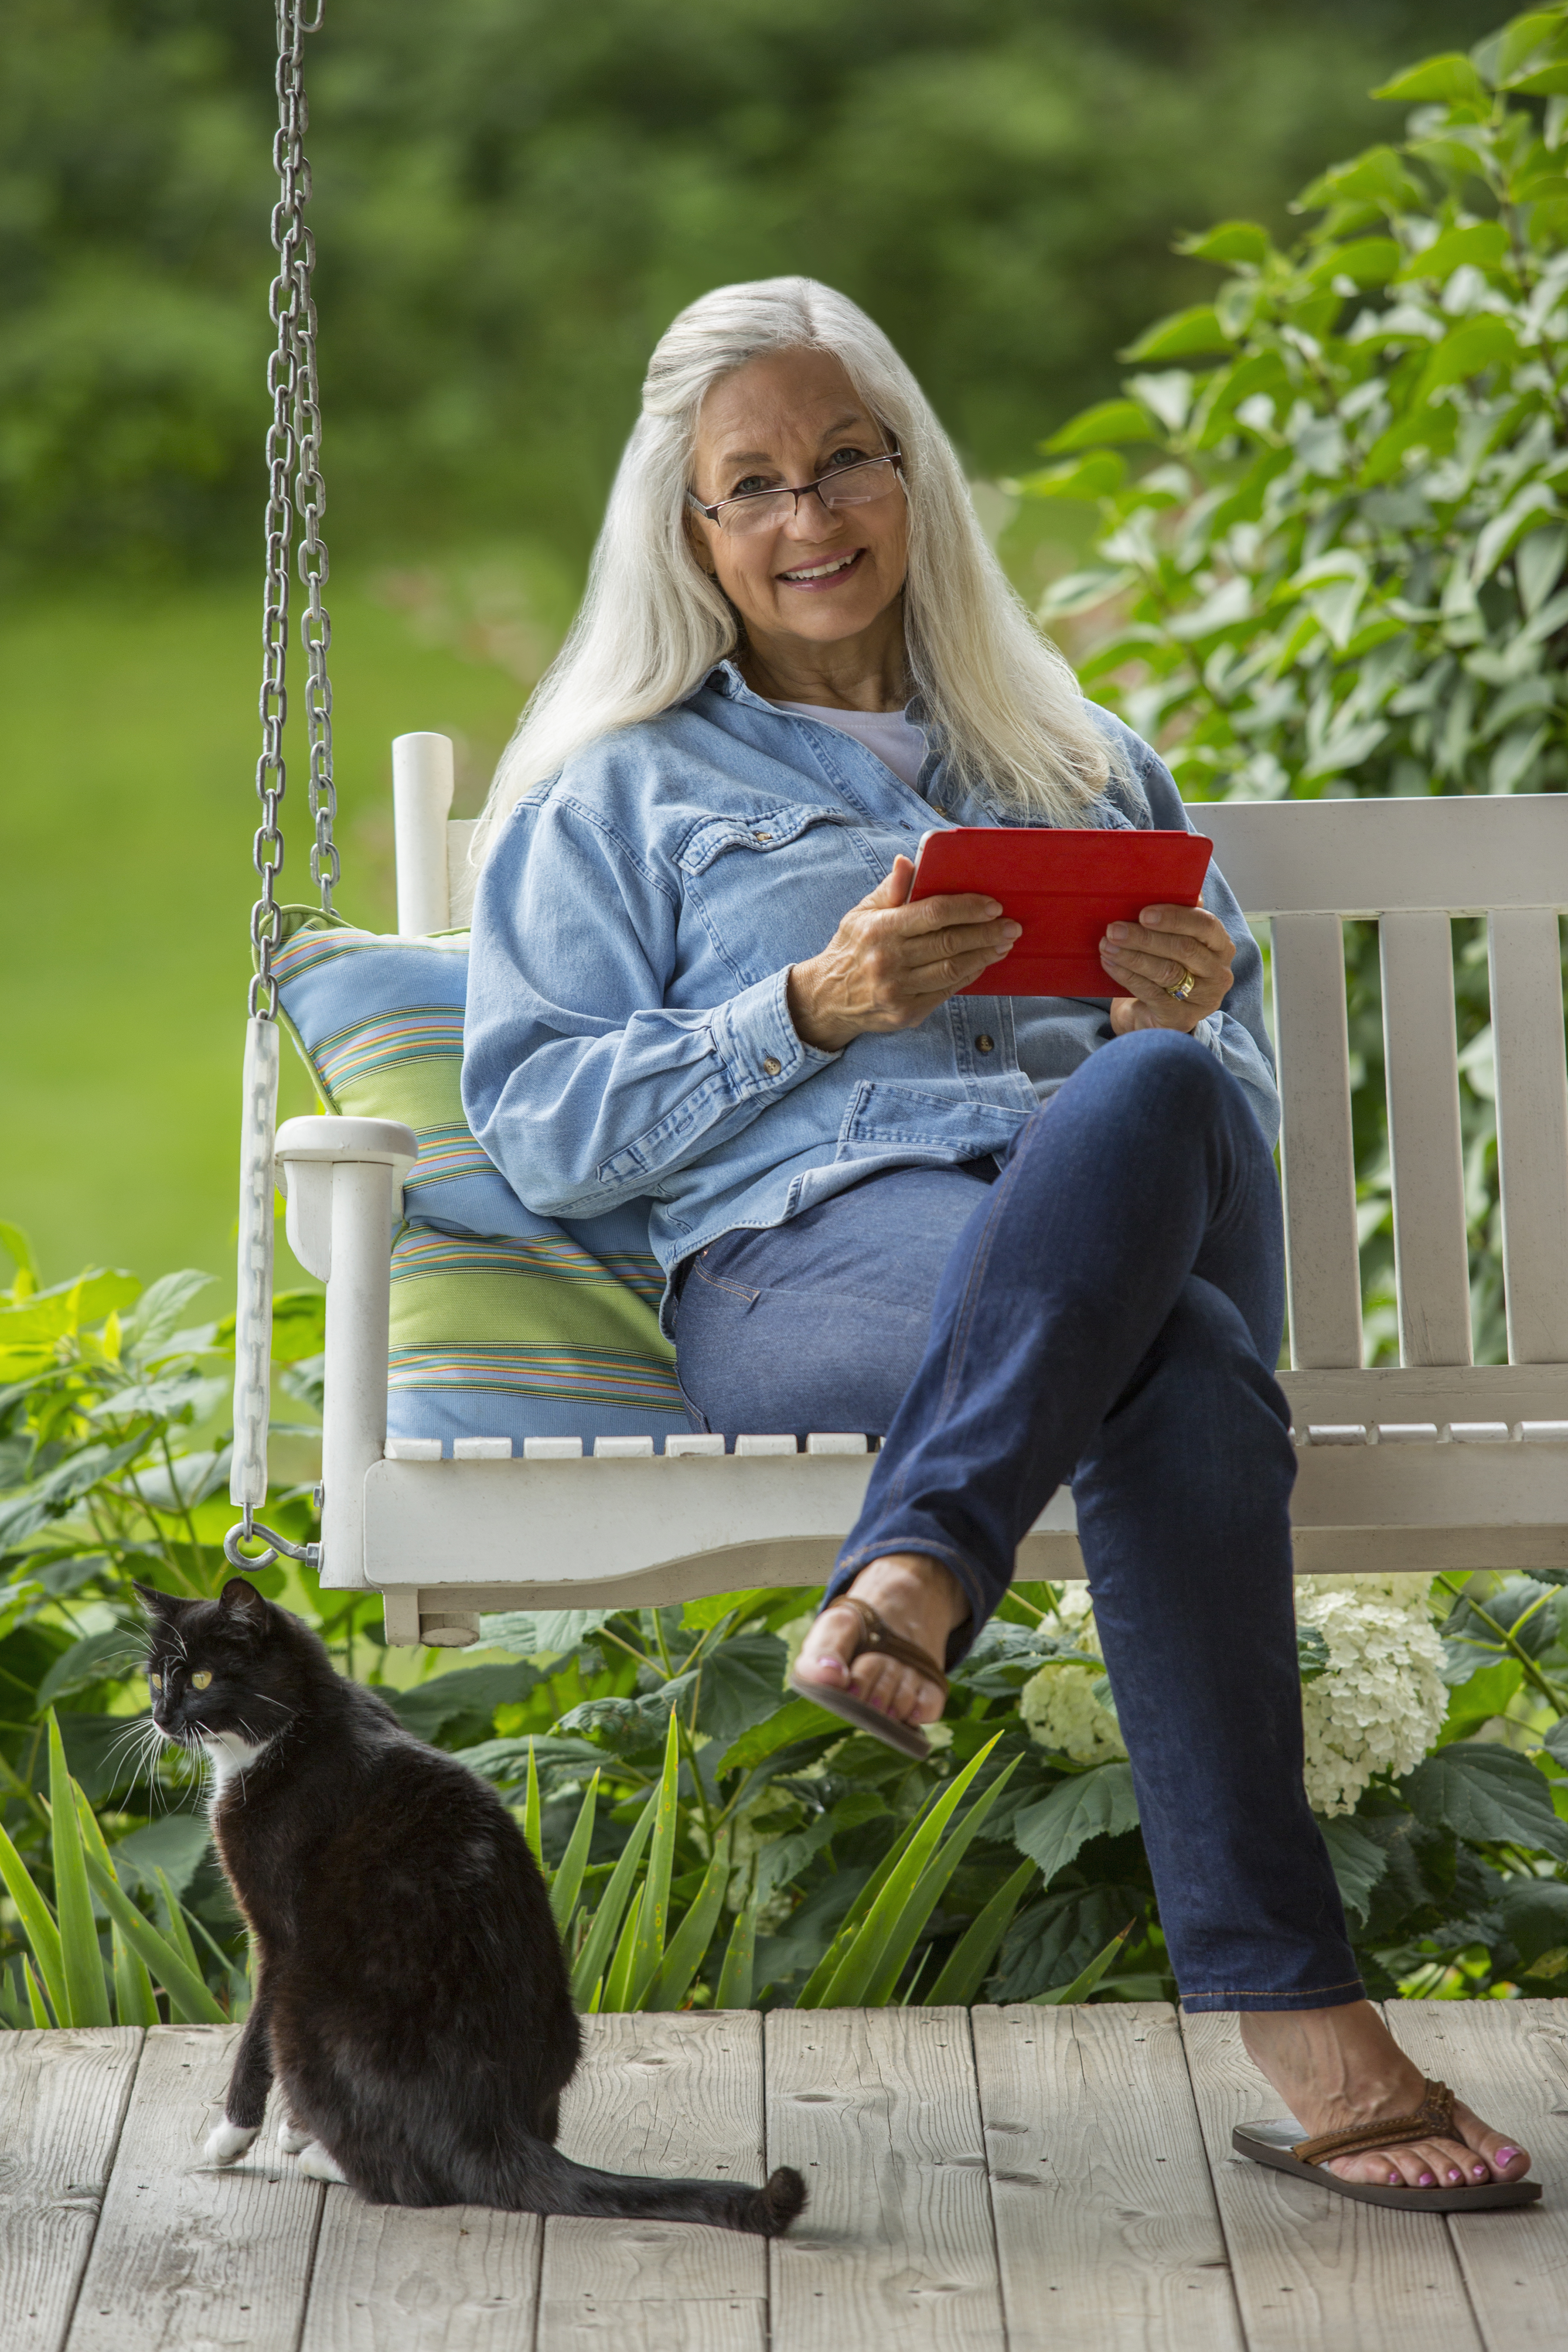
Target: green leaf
[
  {"x": 1181, "y": 335},
  {"x": 40, "y": 2015},
  {"x": 1468, "y": 350},
  {"x": 929, "y": 1889},
  {"x": 533, "y": 1832},
  {"x": 1483, "y": 246},
  {"x": 113, "y": 1655},
  {"x": 567, "y": 1883},
  {"x": 36, "y": 1924},
  {"x": 648, "y": 1952},
  {"x": 81, "y": 1958},
  {"x": 1109, "y": 420},
  {"x": 1376, "y": 177},
  {"x": 735, "y": 1975},
  {"x": 1535, "y": 1919},
  {"x": 740, "y": 1683},
  {"x": 1311, "y": 1652},
  {"x": 1066, "y": 1996},
  {"x": 617, "y": 1992},
  {"x": 135, "y": 2002},
  {"x": 1369, "y": 260},
  {"x": 1099, "y": 474},
  {"x": 190, "y": 2002},
  {"x": 964, "y": 1970},
  {"x": 594, "y": 1957},
  {"x": 14, "y": 1242},
  {"x": 179, "y": 1928},
  {"x": 428, "y": 1708},
  {"x": 881, "y": 1931},
  {"x": 1487, "y": 1795},
  {"x": 1359, "y": 1864},
  {"x": 693, "y": 1936},
  {"x": 801, "y": 1718},
  {"x": 1229, "y": 241},
  {"x": 177, "y": 1843},
  {"x": 1450, "y": 79},
  {"x": 1097, "y": 1803}
]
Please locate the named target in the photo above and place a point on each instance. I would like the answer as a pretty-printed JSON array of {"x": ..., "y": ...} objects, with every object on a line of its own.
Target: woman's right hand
[{"x": 889, "y": 963}]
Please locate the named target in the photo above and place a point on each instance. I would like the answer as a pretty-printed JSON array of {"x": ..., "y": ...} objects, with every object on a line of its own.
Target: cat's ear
[
  {"x": 243, "y": 1600},
  {"x": 156, "y": 1604}
]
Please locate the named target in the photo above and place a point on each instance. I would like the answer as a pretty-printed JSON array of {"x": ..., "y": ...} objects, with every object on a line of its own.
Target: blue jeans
[{"x": 1105, "y": 1312}]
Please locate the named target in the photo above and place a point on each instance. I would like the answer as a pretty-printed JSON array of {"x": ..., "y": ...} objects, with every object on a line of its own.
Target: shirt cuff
[
  {"x": 1207, "y": 1033},
  {"x": 757, "y": 1042}
]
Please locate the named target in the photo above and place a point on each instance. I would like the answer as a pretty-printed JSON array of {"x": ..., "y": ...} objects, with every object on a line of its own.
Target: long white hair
[{"x": 653, "y": 623}]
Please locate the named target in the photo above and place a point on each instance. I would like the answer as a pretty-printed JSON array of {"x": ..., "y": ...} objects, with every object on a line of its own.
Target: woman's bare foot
[
  {"x": 1337, "y": 2068},
  {"x": 920, "y": 1599}
]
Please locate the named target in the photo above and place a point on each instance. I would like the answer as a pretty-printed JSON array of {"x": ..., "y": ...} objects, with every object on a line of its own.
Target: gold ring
[{"x": 1184, "y": 986}]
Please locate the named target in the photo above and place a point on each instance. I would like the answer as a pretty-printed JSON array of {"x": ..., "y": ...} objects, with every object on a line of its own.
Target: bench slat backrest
[{"x": 1411, "y": 865}]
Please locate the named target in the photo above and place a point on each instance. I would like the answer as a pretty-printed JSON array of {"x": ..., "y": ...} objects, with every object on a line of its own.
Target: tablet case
[{"x": 1064, "y": 885}]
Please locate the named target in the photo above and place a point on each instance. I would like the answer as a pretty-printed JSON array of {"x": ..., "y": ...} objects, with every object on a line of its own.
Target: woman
[{"x": 1027, "y": 1240}]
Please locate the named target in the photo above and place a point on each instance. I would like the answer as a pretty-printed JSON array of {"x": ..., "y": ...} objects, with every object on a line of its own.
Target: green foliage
[
  {"x": 511, "y": 204},
  {"x": 707, "y": 1837},
  {"x": 1345, "y": 568}
]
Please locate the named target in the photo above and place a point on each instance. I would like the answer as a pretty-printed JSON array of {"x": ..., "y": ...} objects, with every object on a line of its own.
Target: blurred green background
[{"x": 511, "y": 199}]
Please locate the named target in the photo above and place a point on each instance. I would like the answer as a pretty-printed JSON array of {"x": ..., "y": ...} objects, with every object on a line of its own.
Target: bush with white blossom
[
  {"x": 1379, "y": 1703},
  {"x": 1376, "y": 1706}
]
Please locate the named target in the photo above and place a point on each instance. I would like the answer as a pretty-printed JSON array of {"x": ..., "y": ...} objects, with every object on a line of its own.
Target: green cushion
[{"x": 504, "y": 1324}]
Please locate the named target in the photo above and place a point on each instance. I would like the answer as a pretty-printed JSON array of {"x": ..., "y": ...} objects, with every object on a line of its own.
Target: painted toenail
[
  {"x": 1479, "y": 2172},
  {"x": 1454, "y": 2173},
  {"x": 1507, "y": 2155},
  {"x": 1427, "y": 2180}
]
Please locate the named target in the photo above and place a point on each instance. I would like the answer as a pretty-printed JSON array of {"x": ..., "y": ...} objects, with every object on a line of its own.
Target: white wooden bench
[{"x": 1433, "y": 1464}]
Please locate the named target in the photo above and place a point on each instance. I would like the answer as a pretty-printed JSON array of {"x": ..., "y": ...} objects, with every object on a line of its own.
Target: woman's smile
[{"x": 831, "y": 572}]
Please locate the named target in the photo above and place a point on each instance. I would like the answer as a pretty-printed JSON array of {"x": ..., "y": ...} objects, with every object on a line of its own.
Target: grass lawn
[{"x": 126, "y": 818}]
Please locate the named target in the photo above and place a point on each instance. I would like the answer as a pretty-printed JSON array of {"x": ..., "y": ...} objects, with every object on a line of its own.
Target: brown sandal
[
  {"x": 876, "y": 1634},
  {"x": 1272, "y": 2144}
]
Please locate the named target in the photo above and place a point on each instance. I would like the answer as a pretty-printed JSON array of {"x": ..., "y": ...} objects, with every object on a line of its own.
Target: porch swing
[{"x": 1435, "y": 1463}]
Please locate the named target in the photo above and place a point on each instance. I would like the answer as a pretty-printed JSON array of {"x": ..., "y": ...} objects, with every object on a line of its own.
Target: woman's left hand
[{"x": 1155, "y": 954}]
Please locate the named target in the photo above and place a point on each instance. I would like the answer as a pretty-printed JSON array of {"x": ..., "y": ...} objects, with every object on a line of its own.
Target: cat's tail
[{"x": 554, "y": 2183}]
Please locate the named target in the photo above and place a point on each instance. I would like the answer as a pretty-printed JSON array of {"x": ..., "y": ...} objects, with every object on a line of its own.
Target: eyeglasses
[{"x": 859, "y": 485}]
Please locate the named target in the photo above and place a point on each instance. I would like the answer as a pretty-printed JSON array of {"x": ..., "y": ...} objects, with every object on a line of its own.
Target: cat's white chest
[{"x": 231, "y": 1757}]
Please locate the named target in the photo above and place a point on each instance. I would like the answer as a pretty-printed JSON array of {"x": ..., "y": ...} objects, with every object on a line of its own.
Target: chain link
[{"x": 293, "y": 444}]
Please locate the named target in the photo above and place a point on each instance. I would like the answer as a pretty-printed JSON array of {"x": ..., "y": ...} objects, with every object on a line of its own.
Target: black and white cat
[{"x": 410, "y": 1994}]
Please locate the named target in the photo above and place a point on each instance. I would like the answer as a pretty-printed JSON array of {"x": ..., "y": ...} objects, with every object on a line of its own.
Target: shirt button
[
  {"x": 771, "y": 1064},
  {"x": 762, "y": 836},
  {"x": 985, "y": 1044}
]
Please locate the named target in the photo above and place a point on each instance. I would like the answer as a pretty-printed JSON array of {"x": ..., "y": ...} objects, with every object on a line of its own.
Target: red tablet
[{"x": 1064, "y": 885}]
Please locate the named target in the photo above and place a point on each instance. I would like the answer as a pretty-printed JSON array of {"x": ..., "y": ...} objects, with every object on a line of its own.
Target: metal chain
[{"x": 294, "y": 432}]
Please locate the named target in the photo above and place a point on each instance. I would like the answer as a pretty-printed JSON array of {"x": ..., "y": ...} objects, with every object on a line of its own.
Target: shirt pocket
[{"x": 771, "y": 887}]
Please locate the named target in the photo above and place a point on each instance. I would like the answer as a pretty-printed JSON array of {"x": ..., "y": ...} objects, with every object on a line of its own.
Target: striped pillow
[{"x": 504, "y": 1324}]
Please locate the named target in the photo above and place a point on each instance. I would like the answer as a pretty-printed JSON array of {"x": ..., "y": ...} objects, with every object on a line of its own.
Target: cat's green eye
[
  {"x": 156, "y": 1681},
  {"x": 200, "y": 1682}
]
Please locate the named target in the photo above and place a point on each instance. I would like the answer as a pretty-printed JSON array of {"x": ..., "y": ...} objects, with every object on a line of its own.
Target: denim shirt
[{"x": 627, "y": 1034}]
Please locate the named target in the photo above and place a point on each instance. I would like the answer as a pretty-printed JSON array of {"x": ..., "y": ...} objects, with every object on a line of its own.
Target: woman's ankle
[{"x": 913, "y": 1585}]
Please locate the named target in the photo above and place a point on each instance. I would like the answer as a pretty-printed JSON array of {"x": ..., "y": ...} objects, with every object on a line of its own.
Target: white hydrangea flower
[
  {"x": 1377, "y": 1706},
  {"x": 1380, "y": 1703},
  {"x": 1062, "y": 1704}
]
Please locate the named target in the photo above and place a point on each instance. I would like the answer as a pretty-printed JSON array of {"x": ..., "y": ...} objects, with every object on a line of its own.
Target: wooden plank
[
  {"x": 878, "y": 2110},
  {"x": 1431, "y": 1258},
  {"x": 188, "y": 2256},
  {"x": 679, "y": 2095},
  {"x": 1525, "y": 956},
  {"x": 453, "y": 2279},
  {"x": 1368, "y": 858},
  {"x": 62, "y": 2102},
  {"x": 1510, "y": 2059},
  {"x": 1107, "y": 2234},
  {"x": 1321, "y": 1263},
  {"x": 1313, "y": 2268}
]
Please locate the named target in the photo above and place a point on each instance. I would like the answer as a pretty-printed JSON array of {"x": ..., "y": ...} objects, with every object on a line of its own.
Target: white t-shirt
[{"x": 896, "y": 742}]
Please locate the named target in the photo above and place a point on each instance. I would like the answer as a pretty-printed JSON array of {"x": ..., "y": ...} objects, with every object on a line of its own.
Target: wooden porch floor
[{"x": 1005, "y": 2181}]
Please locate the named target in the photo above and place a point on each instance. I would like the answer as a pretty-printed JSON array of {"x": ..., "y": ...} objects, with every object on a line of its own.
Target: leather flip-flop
[
  {"x": 1275, "y": 2144},
  {"x": 907, "y": 1737}
]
